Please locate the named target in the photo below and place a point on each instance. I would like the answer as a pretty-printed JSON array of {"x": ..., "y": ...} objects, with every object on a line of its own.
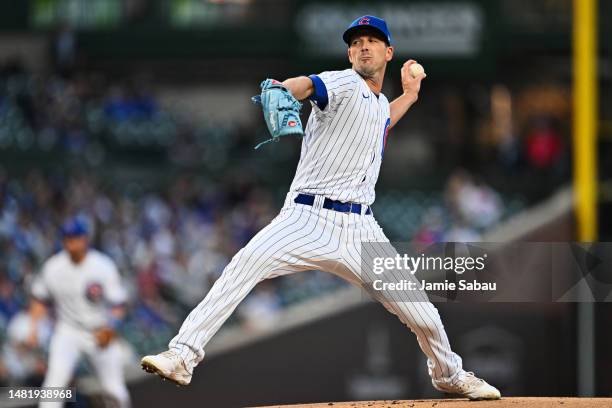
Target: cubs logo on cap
[{"x": 376, "y": 23}]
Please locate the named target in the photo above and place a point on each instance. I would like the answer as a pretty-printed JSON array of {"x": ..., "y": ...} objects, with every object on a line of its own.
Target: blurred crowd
[
  {"x": 90, "y": 116},
  {"x": 471, "y": 207}
]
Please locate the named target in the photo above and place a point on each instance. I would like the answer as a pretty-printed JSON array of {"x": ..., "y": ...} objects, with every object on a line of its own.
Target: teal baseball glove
[{"x": 280, "y": 109}]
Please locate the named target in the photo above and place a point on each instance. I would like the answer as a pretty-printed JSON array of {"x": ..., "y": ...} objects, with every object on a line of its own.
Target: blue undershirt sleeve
[{"x": 319, "y": 95}]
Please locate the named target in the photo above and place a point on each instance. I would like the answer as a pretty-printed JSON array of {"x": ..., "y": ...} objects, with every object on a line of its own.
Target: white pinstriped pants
[{"x": 304, "y": 238}]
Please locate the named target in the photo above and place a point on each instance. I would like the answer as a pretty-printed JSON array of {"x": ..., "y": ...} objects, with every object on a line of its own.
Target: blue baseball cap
[
  {"x": 376, "y": 23},
  {"x": 74, "y": 227}
]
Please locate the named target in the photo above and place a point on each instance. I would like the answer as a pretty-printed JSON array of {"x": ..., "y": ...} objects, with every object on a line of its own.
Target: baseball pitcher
[{"x": 327, "y": 215}]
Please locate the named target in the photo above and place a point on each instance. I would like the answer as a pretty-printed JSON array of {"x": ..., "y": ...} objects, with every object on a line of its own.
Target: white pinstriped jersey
[
  {"x": 344, "y": 142},
  {"x": 80, "y": 293}
]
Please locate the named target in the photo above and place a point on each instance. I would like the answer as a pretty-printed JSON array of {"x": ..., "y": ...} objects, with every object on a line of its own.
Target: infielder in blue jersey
[{"x": 327, "y": 216}]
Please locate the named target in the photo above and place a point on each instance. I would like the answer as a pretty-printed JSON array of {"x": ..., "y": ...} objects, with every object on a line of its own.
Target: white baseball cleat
[
  {"x": 465, "y": 383},
  {"x": 168, "y": 365}
]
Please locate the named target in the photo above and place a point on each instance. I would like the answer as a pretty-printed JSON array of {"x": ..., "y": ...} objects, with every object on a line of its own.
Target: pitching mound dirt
[{"x": 548, "y": 402}]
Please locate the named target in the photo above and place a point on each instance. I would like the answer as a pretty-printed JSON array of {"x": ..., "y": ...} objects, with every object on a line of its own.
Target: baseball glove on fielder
[
  {"x": 280, "y": 109},
  {"x": 104, "y": 336}
]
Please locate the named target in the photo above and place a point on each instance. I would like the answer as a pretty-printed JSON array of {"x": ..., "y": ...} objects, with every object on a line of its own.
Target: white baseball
[{"x": 416, "y": 69}]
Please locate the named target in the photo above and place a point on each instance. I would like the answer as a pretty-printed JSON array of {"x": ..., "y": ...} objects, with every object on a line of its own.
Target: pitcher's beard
[{"x": 366, "y": 73}]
